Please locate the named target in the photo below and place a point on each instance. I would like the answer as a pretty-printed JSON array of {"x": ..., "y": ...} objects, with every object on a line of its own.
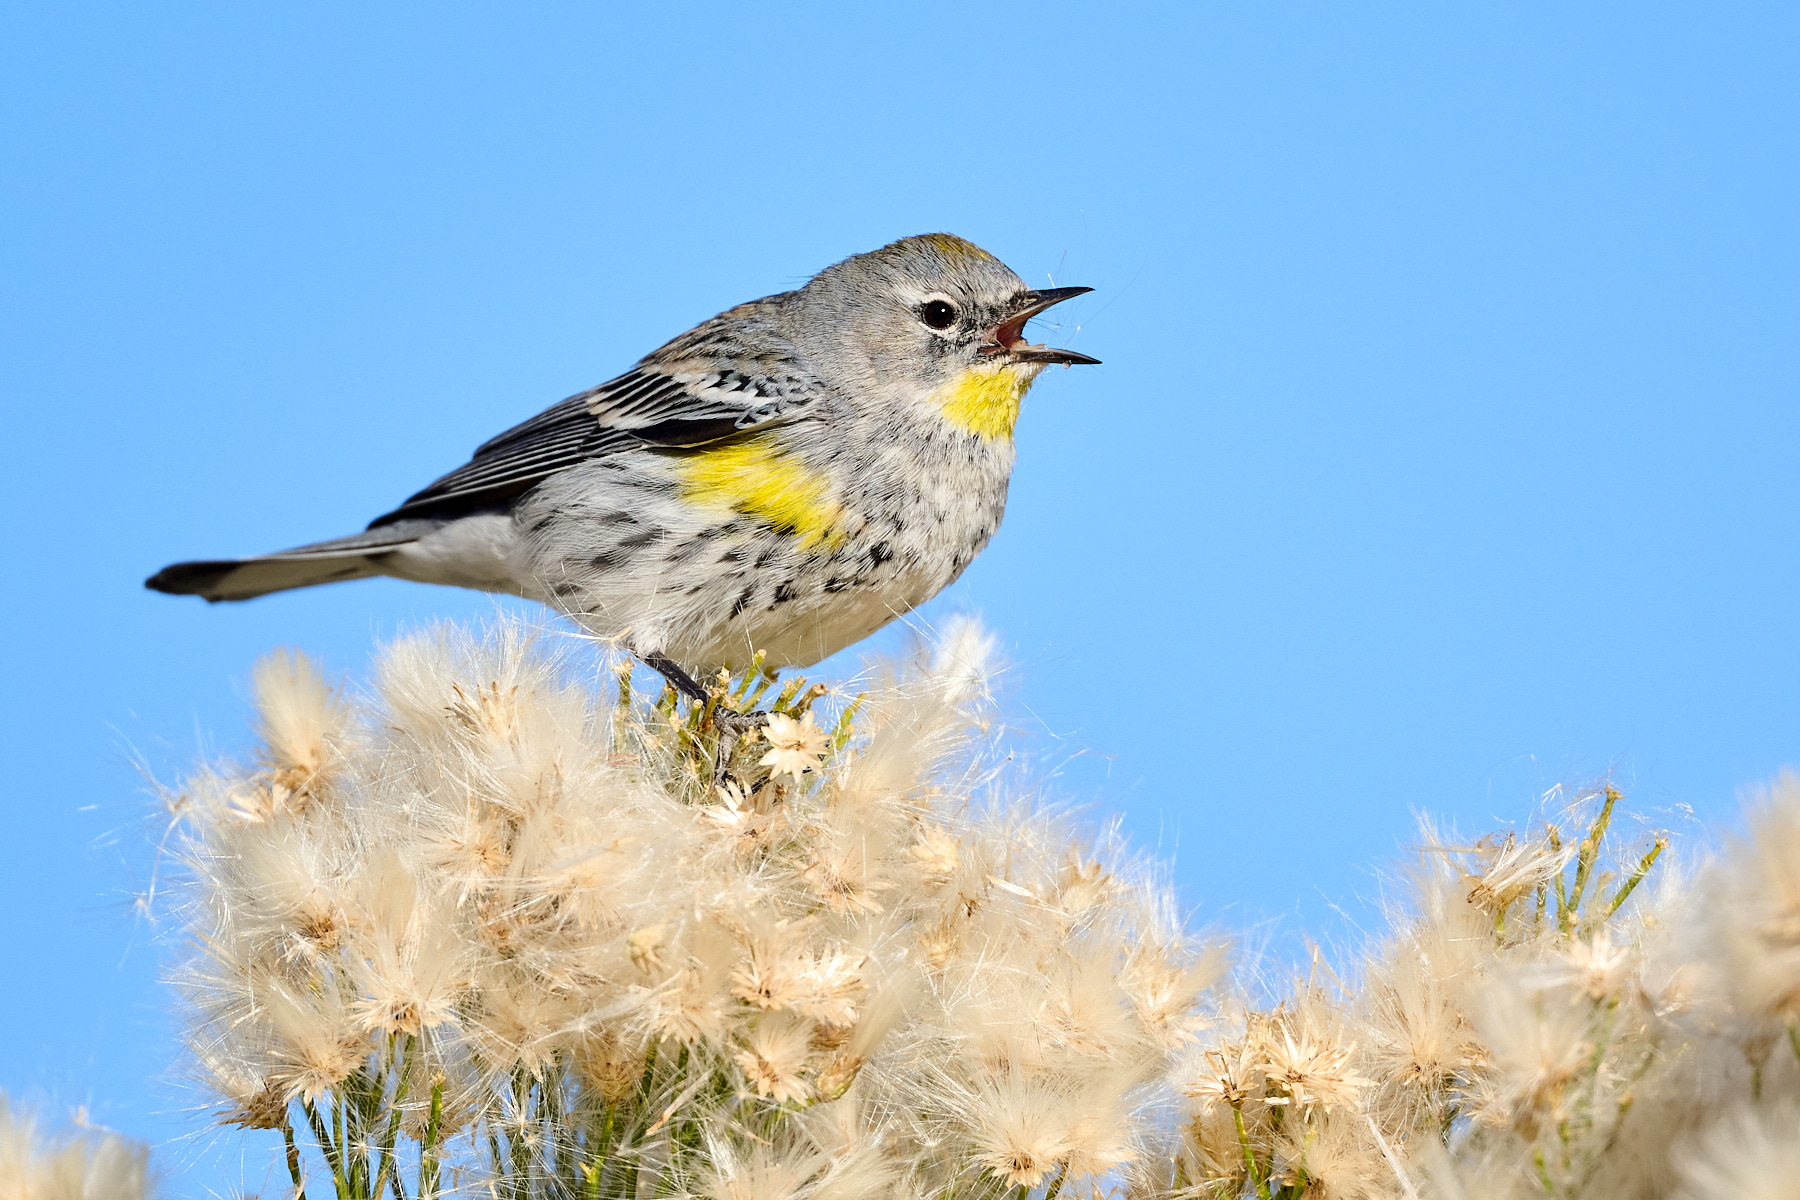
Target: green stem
[
  {"x": 521, "y": 1150},
  {"x": 293, "y": 1157},
  {"x": 1300, "y": 1179},
  {"x": 622, "y": 715},
  {"x": 558, "y": 1130},
  {"x": 346, "y": 1152},
  {"x": 386, "y": 1151},
  {"x": 1562, "y": 902},
  {"x": 598, "y": 1167},
  {"x": 677, "y": 1134},
  {"x": 1637, "y": 875},
  {"x": 628, "y": 1188},
  {"x": 1262, "y": 1188},
  {"x": 328, "y": 1148},
  {"x": 1543, "y": 1171},
  {"x": 1056, "y": 1184},
  {"x": 630, "y": 1181},
  {"x": 804, "y": 702},
  {"x": 788, "y": 691},
  {"x": 750, "y": 676},
  {"x": 766, "y": 679},
  {"x": 499, "y": 1158},
  {"x": 1590, "y": 849},
  {"x": 707, "y": 711},
  {"x": 428, "y": 1157},
  {"x": 841, "y": 736}
]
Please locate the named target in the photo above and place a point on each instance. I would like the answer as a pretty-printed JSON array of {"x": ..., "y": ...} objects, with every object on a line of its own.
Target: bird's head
[{"x": 934, "y": 319}]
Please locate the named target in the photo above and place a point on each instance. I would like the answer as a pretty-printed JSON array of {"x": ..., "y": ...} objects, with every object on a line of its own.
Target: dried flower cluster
[
  {"x": 497, "y": 930},
  {"x": 79, "y": 1164},
  {"x": 496, "y": 927},
  {"x": 1542, "y": 1019}
]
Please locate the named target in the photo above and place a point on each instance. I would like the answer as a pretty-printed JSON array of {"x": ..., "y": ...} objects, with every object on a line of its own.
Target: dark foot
[
  {"x": 731, "y": 725},
  {"x": 737, "y": 724}
]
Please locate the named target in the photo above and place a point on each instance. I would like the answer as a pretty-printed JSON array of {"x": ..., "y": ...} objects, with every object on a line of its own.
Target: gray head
[{"x": 924, "y": 312}]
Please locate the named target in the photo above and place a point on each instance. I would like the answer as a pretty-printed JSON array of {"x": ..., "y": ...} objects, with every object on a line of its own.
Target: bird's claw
[
  {"x": 738, "y": 724},
  {"x": 733, "y": 725}
]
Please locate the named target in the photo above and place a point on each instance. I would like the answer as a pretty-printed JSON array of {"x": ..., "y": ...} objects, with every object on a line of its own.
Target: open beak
[{"x": 1008, "y": 337}]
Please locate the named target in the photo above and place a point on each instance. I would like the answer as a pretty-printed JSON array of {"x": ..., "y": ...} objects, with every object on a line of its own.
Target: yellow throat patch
[
  {"x": 984, "y": 401},
  {"x": 755, "y": 478}
]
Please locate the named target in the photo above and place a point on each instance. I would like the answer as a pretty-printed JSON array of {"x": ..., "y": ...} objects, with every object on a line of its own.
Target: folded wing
[{"x": 651, "y": 405}]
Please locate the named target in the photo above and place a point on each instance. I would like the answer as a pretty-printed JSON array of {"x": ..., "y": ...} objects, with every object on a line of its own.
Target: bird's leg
[
  {"x": 731, "y": 725},
  {"x": 678, "y": 679}
]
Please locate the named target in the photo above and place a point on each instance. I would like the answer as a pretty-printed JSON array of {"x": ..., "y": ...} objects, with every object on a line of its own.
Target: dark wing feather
[{"x": 647, "y": 406}]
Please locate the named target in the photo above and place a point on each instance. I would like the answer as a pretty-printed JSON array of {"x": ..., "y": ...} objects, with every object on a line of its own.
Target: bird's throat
[{"x": 984, "y": 401}]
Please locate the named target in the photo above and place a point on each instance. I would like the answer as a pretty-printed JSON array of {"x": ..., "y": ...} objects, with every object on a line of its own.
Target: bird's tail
[{"x": 356, "y": 557}]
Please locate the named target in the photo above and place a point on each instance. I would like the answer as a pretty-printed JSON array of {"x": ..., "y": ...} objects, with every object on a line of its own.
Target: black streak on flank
[{"x": 638, "y": 541}]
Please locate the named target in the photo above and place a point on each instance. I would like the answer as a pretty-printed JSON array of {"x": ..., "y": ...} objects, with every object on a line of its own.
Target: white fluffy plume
[
  {"x": 504, "y": 924},
  {"x": 535, "y": 924}
]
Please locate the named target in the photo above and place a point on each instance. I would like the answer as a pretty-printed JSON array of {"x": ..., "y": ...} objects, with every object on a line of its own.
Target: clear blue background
[{"x": 1444, "y": 448}]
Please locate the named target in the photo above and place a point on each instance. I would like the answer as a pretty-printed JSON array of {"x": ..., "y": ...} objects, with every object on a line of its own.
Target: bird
[{"x": 785, "y": 478}]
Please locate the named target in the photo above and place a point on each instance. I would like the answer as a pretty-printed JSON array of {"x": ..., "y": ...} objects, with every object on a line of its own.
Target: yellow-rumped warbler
[{"x": 789, "y": 476}]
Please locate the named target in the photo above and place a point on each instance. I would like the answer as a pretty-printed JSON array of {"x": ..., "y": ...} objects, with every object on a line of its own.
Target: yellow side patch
[
  {"x": 755, "y": 478},
  {"x": 984, "y": 401}
]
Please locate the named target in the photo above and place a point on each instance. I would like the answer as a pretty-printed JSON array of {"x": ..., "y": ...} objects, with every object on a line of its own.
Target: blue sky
[{"x": 1444, "y": 447}]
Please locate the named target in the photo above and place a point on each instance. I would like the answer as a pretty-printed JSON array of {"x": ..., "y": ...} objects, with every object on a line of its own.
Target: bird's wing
[{"x": 650, "y": 405}]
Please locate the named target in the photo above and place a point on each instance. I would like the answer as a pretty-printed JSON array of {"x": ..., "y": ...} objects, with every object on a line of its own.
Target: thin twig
[
  {"x": 326, "y": 1147},
  {"x": 1262, "y": 1188},
  {"x": 393, "y": 1130},
  {"x": 293, "y": 1157},
  {"x": 428, "y": 1158},
  {"x": 1637, "y": 874},
  {"x": 1590, "y": 849}
]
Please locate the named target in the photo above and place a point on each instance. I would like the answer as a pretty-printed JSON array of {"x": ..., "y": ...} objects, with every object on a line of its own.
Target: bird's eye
[{"x": 938, "y": 314}]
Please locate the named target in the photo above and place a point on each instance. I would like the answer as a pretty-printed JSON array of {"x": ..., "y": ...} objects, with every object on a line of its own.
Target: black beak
[{"x": 1008, "y": 337}]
